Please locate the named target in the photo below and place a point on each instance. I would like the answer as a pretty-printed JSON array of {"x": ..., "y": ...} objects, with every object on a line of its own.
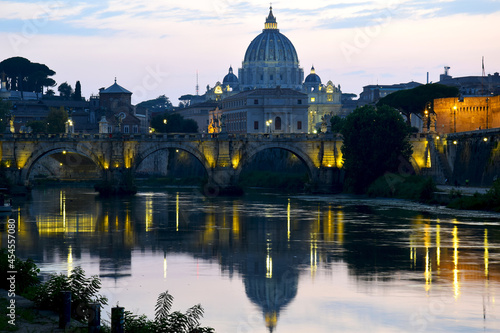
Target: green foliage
[
  {"x": 166, "y": 321},
  {"x": 488, "y": 201},
  {"x": 337, "y": 124},
  {"x": 24, "y": 75},
  {"x": 5, "y": 114},
  {"x": 175, "y": 123},
  {"x": 83, "y": 292},
  {"x": 391, "y": 185},
  {"x": 27, "y": 272},
  {"x": 77, "y": 96},
  {"x": 56, "y": 120},
  {"x": 37, "y": 126},
  {"x": 160, "y": 103},
  {"x": 275, "y": 180},
  {"x": 65, "y": 90},
  {"x": 415, "y": 100},
  {"x": 376, "y": 141}
]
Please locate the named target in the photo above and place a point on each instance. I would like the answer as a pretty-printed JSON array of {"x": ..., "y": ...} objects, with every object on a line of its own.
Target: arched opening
[
  {"x": 171, "y": 166},
  {"x": 275, "y": 168},
  {"x": 61, "y": 165},
  {"x": 277, "y": 123}
]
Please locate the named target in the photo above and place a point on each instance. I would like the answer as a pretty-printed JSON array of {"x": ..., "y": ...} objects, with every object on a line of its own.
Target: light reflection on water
[{"x": 262, "y": 262}]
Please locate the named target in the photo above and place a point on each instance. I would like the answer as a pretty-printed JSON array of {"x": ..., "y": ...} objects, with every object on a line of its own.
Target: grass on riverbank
[
  {"x": 487, "y": 201},
  {"x": 416, "y": 188}
]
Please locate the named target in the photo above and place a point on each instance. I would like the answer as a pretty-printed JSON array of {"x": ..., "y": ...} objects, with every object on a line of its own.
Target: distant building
[
  {"x": 324, "y": 101},
  {"x": 116, "y": 103},
  {"x": 466, "y": 114},
  {"x": 372, "y": 93},
  {"x": 271, "y": 62},
  {"x": 200, "y": 113},
  {"x": 269, "y": 110},
  {"x": 488, "y": 85}
]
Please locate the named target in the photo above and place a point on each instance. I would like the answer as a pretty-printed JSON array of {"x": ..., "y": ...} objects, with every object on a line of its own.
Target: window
[
  {"x": 110, "y": 129},
  {"x": 277, "y": 123},
  {"x": 255, "y": 125},
  {"x": 299, "y": 125},
  {"x": 126, "y": 129},
  {"x": 255, "y": 101},
  {"x": 299, "y": 101},
  {"x": 271, "y": 77},
  {"x": 313, "y": 99},
  {"x": 135, "y": 129}
]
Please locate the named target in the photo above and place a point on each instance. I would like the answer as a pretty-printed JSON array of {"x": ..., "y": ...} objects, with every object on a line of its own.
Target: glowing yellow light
[
  {"x": 117, "y": 165},
  {"x": 64, "y": 152},
  {"x": 60, "y": 164},
  {"x": 485, "y": 139},
  {"x": 269, "y": 262},
  {"x": 177, "y": 212},
  {"x": 486, "y": 254},
  {"x": 70, "y": 260},
  {"x": 288, "y": 218},
  {"x": 149, "y": 213},
  {"x": 455, "y": 142},
  {"x": 456, "y": 282},
  {"x": 313, "y": 99},
  {"x": 437, "y": 137}
]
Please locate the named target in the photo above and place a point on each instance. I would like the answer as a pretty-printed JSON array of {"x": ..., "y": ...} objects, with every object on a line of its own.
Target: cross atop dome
[{"x": 271, "y": 20}]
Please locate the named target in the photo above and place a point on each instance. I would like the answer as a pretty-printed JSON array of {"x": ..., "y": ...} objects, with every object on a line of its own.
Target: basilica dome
[
  {"x": 271, "y": 45},
  {"x": 313, "y": 78},
  {"x": 230, "y": 79},
  {"x": 271, "y": 60}
]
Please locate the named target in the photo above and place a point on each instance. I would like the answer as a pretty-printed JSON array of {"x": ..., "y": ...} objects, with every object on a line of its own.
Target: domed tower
[
  {"x": 271, "y": 60},
  {"x": 231, "y": 81},
  {"x": 312, "y": 81}
]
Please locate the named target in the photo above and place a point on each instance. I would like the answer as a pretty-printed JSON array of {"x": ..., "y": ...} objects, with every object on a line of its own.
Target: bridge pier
[
  {"x": 222, "y": 181},
  {"x": 327, "y": 180}
]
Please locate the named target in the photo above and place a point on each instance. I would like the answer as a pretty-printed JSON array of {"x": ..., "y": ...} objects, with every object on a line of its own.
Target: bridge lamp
[
  {"x": 437, "y": 137},
  {"x": 64, "y": 152},
  {"x": 455, "y": 142},
  {"x": 485, "y": 139},
  {"x": 60, "y": 164}
]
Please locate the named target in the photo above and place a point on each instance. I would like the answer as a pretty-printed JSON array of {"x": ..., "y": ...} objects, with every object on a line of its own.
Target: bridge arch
[
  {"x": 312, "y": 169},
  {"x": 42, "y": 151},
  {"x": 194, "y": 151}
]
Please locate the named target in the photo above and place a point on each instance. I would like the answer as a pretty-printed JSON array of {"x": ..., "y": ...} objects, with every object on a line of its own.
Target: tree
[
  {"x": 38, "y": 126},
  {"x": 65, "y": 90},
  {"x": 24, "y": 75},
  {"x": 77, "y": 96},
  {"x": 173, "y": 123},
  {"x": 337, "y": 124},
  {"x": 56, "y": 120},
  {"x": 414, "y": 101},
  {"x": 160, "y": 103},
  {"x": 376, "y": 141},
  {"x": 5, "y": 114}
]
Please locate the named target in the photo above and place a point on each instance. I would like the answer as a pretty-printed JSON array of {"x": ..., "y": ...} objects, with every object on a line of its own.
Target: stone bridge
[
  {"x": 222, "y": 156},
  {"x": 452, "y": 156}
]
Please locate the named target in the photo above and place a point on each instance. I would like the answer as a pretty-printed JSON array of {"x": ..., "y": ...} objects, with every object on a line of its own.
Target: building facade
[
  {"x": 268, "y": 110},
  {"x": 466, "y": 114}
]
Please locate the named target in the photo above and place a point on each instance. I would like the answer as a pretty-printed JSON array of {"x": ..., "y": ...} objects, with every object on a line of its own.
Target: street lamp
[
  {"x": 165, "y": 125},
  {"x": 268, "y": 124}
]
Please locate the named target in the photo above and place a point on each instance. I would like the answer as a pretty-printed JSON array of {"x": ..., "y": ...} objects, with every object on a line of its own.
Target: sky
[{"x": 157, "y": 47}]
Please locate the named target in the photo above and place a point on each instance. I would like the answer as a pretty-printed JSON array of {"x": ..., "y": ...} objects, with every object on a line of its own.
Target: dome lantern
[{"x": 271, "y": 23}]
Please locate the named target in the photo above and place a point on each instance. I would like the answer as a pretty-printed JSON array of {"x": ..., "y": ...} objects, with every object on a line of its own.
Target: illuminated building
[
  {"x": 271, "y": 62},
  {"x": 466, "y": 114}
]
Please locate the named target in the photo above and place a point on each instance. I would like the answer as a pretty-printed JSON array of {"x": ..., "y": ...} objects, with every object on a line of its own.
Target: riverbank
[{"x": 30, "y": 319}]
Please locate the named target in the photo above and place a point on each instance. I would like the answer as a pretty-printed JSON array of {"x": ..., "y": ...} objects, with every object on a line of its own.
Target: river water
[{"x": 273, "y": 262}]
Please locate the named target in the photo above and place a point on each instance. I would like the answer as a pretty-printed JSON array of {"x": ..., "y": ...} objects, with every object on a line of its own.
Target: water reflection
[{"x": 271, "y": 244}]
